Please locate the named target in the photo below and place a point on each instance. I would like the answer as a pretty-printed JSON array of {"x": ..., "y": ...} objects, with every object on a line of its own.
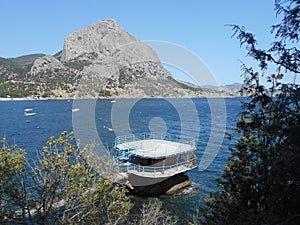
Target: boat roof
[{"x": 154, "y": 148}]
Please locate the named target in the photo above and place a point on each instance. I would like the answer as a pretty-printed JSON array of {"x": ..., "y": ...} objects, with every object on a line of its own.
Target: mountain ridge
[{"x": 100, "y": 60}]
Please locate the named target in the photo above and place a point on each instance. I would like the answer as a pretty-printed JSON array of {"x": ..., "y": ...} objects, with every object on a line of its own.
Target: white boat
[
  {"x": 112, "y": 101},
  {"x": 153, "y": 164},
  {"x": 28, "y": 112},
  {"x": 75, "y": 110}
]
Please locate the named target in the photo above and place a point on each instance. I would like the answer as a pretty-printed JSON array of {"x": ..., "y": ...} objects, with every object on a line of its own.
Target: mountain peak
[
  {"x": 103, "y": 39},
  {"x": 109, "y": 22}
]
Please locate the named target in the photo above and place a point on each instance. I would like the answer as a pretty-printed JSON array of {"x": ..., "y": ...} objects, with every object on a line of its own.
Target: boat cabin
[{"x": 153, "y": 152}]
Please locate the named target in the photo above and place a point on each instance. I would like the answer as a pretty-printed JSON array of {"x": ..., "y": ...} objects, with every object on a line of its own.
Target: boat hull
[{"x": 142, "y": 186}]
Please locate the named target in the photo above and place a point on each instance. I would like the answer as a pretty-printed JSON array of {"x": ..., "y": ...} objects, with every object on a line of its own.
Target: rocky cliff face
[
  {"x": 103, "y": 41},
  {"x": 100, "y": 60}
]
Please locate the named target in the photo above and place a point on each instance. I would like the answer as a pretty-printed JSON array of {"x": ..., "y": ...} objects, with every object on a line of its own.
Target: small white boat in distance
[
  {"x": 75, "y": 110},
  {"x": 27, "y": 112},
  {"x": 112, "y": 101}
]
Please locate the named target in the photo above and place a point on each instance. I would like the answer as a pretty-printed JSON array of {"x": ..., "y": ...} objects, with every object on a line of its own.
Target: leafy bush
[{"x": 66, "y": 186}]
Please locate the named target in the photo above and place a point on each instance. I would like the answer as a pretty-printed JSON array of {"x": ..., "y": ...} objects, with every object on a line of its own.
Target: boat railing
[
  {"x": 158, "y": 136},
  {"x": 156, "y": 171}
]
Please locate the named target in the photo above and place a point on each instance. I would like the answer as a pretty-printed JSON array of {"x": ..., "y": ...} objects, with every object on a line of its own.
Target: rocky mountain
[{"x": 100, "y": 60}]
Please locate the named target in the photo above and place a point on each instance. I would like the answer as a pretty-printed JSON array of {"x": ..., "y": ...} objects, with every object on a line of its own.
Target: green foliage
[
  {"x": 16, "y": 90},
  {"x": 104, "y": 93},
  {"x": 66, "y": 186},
  {"x": 12, "y": 162},
  {"x": 12, "y": 167},
  {"x": 260, "y": 184}
]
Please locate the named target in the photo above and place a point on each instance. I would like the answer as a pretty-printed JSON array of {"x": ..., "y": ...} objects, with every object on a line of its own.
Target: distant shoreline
[
  {"x": 112, "y": 98},
  {"x": 22, "y": 99}
]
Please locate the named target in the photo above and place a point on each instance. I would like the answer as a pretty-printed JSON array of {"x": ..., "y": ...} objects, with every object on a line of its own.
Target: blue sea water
[{"x": 187, "y": 117}]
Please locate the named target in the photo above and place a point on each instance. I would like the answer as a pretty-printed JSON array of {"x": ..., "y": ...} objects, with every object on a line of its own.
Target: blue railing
[{"x": 155, "y": 171}]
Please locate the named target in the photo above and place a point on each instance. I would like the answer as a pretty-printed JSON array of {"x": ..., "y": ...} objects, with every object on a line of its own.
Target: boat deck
[{"x": 154, "y": 148}]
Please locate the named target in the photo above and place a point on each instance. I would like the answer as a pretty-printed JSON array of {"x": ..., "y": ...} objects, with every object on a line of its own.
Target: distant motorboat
[
  {"x": 112, "y": 101},
  {"x": 29, "y": 113},
  {"x": 75, "y": 110}
]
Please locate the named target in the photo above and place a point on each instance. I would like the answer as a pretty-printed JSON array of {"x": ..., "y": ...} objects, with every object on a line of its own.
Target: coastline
[
  {"x": 22, "y": 99},
  {"x": 116, "y": 98}
]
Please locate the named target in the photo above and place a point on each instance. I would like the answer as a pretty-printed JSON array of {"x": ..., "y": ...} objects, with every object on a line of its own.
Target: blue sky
[{"x": 40, "y": 26}]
